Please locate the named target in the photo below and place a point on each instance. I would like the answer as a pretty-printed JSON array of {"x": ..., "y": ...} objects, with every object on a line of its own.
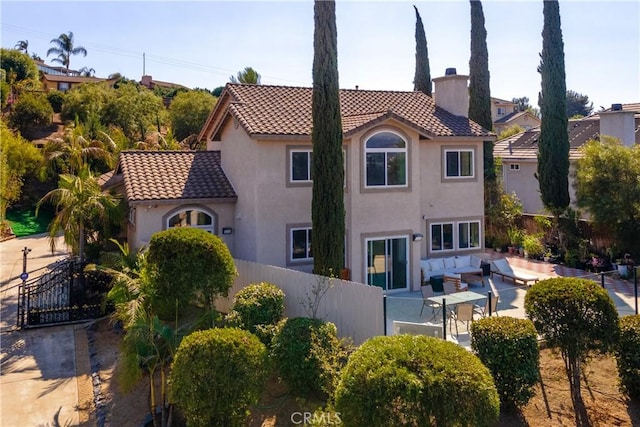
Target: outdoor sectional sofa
[{"x": 459, "y": 264}]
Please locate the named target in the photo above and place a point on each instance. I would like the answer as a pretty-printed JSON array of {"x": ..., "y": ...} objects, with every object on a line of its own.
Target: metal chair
[
  {"x": 427, "y": 292},
  {"x": 462, "y": 313},
  {"x": 484, "y": 310}
]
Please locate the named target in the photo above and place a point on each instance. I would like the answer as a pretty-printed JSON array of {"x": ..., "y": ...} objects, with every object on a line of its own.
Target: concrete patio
[{"x": 406, "y": 306}]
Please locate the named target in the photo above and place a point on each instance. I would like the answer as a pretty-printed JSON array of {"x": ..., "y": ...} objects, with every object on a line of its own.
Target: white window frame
[
  {"x": 459, "y": 151},
  {"x": 308, "y": 250},
  {"x": 468, "y": 223},
  {"x": 132, "y": 215},
  {"x": 309, "y": 152},
  {"x": 502, "y": 111},
  {"x": 514, "y": 167},
  {"x": 386, "y": 152},
  {"x": 453, "y": 236},
  {"x": 211, "y": 228}
]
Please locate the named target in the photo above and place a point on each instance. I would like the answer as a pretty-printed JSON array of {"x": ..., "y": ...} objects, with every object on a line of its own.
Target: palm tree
[
  {"x": 64, "y": 48},
  {"x": 75, "y": 150},
  {"x": 23, "y": 46},
  {"x": 87, "y": 72},
  {"x": 79, "y": 204},
  {"x": 246, "y": 76}
]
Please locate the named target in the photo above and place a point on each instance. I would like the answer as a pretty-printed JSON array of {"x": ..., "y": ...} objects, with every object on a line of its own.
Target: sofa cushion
[
  {"x": 437, "y": 264},
  {"x": 449, "y": 262},
  {"x": 425, "y": 265},
  {"x": 463, "y": 261},
  {"x": 476, "y": 261}
]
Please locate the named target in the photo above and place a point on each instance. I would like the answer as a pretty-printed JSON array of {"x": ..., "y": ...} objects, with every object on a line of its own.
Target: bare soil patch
[{"x": 551, "y": 406}]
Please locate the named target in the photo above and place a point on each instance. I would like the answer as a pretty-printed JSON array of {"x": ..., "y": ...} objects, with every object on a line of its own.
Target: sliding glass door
[{"x": 388, "y": 263}]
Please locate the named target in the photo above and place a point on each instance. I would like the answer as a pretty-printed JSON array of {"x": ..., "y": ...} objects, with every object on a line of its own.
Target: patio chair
[
  {"x": 462, "y": 313},
  {"x": 502, "y": 268},
  {"x": 483, "y": 310},
  {"x": 453, "y": 283},
  {"x": 427, "y": 292}
]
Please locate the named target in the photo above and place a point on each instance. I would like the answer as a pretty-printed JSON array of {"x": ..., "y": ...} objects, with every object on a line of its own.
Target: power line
[{"x": 150, "y": 57}]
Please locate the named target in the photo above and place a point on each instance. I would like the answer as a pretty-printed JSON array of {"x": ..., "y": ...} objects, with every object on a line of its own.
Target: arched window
[
  {"x": 386, "y": 160},
  {"x": 192, "y": 218}
]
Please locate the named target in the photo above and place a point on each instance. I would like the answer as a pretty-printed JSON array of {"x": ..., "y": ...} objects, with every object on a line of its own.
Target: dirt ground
[{"x": 551, "y": 406}]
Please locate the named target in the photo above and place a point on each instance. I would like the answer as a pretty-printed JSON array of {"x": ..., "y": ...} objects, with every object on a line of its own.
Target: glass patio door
[{"x": 387, "y": 263}]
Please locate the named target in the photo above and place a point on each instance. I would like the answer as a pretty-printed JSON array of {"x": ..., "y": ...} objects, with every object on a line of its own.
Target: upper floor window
[
  {"x": 301, "y": 244},
  {"x": 192, "y": 218},
  {"x": 514, "y": 166},
  {"x": 459, "y": 163},
  {"x": 502, "y": 111},
  {"x": 64, "y": 86},
  {"x": 301, "y": 161},
  {"x": 386, "y": 160}
]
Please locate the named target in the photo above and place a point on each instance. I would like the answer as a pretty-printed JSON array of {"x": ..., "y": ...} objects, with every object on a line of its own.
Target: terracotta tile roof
[
  {"x": 173, "y": 175},
  {"x": 285, "y": 110},
  {"x": 525, "y": 145}
]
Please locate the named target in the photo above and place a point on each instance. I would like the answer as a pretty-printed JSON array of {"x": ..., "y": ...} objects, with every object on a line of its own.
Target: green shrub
[
  {"x": 576, "y": 316},
  {"x": 56, "y": 99},
  {"x": 628, "y": 355},
  {"x": 30, "y": 111},
  {"x": 258, "y": 308},
  {"x": 415, "y": 381},
  {"x": 188, "y": 263},
  {"x": 509, "y": 348},
  {"x": 216, "y": 374},
  {"x": 306, "y": 353}
]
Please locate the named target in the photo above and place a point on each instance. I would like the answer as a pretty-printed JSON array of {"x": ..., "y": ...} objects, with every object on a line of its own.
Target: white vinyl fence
[{"x": 355, "y": 308}]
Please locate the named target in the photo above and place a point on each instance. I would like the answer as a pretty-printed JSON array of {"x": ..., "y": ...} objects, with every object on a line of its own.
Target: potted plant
[
  {"x": 515, "y": 239},
  {"x": 547, "y": 255}
]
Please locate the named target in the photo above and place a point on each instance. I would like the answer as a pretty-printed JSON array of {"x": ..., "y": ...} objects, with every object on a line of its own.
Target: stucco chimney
[
  {"x": 451, "y": 92},
  {"x": 619, "y": 123}
]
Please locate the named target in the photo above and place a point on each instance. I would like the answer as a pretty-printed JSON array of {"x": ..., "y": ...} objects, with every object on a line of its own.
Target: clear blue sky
[{"x": 200, "y": 44}]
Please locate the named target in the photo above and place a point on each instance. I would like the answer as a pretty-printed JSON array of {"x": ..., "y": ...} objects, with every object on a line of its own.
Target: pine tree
[
  {"x": 479, "y": 92},
  {"x": 422, "y": 78},
  {"x": 327, "y": 206},
  {"x": 553, "y": 144}
]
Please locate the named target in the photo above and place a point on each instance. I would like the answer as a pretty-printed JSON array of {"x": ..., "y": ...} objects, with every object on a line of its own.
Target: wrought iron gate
[{"x": 64, "y": 294}]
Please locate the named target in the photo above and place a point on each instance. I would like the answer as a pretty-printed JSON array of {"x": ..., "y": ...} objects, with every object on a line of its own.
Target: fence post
[
  {"x": 490, "y": 308},
  {"x": 444, "y": 319},
  {"x": 602, "y": 279},
  {"x": 384, "y": 312}
]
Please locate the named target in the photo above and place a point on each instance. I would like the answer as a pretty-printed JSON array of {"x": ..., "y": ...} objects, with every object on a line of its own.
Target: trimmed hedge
[
  {"x": 415, "y": 381},
  {"x": 216, "y": 375},
  {"x": 628, "y": 356},
  {"x": 509, "y": 348},
  {"x": 258, "y": 308},
  {"x": 187, "y": 263},
  {"x": 306, "y": 353}
]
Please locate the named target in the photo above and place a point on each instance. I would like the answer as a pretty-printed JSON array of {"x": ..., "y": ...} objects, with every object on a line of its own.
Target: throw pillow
[
  {"x": 463, "y": 261},
  {"x": 436, "y": 264},
  {"x": 449, "y": 262}
]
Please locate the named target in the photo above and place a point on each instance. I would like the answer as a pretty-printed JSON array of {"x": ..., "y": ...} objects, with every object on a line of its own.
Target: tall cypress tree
[
  {"x": 479, "y": 91},
  {"x": 422, "y": 78},
  {"x": 553, "y": 143},
  {"x": 327, "y": 206}
]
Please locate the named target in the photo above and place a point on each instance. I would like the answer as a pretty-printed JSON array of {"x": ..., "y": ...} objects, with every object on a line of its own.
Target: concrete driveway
[{"x": 41, "y": 381}]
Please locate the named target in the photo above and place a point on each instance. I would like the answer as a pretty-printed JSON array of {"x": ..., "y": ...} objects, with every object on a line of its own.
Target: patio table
[{"x": 457, "y": 298}]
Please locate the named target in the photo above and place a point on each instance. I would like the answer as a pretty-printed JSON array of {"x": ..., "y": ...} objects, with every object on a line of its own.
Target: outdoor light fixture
[
  {"x": 227, "y": 230},
  {"x": 417, "y": 237}
]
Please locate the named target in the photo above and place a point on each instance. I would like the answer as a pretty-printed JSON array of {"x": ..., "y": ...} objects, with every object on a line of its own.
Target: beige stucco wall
[
  {"x": 151, "y": 217},
  {"x": 525, "y": 185},
  {"x": 267, "y": 204}
]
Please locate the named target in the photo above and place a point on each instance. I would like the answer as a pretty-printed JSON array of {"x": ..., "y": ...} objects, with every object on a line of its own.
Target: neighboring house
[
  {"x": 149, "y": 83},
  {"x": 63, "y": 83},
  {"x": 519, "y": 153},
  {"x": 505, "y": 114},
  {"x": 413, "y": 169}
]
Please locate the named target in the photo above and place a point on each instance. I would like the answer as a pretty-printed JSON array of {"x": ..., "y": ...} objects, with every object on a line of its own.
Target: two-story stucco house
[
  {"x": 505, "y": 114},
  {"x": 413, "y": 179},
  {"x": 519, "y": 153}
]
